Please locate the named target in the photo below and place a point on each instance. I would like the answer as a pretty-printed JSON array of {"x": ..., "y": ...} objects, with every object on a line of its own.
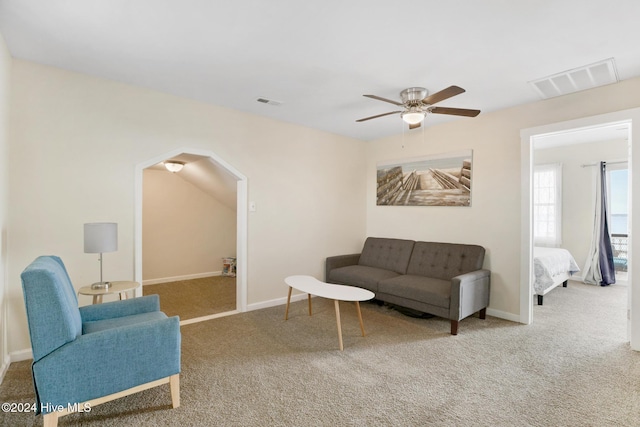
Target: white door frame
[
  {"x": 241, "y": 236},
  {"x": 631, "y": 117}
]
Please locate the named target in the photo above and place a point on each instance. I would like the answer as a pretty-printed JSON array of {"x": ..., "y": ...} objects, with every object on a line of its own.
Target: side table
[{"x": 117, "y": 287}]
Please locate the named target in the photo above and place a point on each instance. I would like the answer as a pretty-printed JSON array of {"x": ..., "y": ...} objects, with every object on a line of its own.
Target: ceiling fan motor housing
[{"x": 413, "y": 95}]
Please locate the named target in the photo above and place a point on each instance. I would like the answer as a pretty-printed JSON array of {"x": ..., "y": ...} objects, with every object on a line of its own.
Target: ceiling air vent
[
  {"x": 269, "y": 102},
  {"x": 593, "y": 75}
]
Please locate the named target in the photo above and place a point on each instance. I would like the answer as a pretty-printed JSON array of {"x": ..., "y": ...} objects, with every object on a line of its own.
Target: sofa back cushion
[
  {"x": 444, "y": 260},
  {"x": 387, "y": 254}
]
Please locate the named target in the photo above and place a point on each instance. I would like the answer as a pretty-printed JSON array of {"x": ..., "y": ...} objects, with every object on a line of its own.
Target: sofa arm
[
  {"x": 109, "y": 361},
  {"x": 128, "y": 307},
  {"x": 469, "y": 293},
  {"x": 339, "y": 261}
]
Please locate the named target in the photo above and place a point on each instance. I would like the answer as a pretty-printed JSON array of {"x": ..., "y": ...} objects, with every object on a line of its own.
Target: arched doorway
[{"x": 241, "y": 220}]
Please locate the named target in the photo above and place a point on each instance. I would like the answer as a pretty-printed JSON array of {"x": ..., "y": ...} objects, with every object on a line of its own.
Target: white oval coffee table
[{"x": 313, "y": 286}]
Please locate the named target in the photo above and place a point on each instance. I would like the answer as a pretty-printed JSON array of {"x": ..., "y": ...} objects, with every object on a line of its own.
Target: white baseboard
[
  {"x": 178, "y": 278},
  {"x": 5, "y": 366},
  {"x": 209, "y": 317},
  {"x": 275, "y": 302},
  {"x": 20, "y": 355},
  {"x": 503, "y": 315},
  {"x": 16, "y": 356}
]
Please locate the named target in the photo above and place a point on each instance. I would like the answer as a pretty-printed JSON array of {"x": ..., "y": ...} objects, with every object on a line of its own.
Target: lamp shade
[{"x": 100, "y": 237}]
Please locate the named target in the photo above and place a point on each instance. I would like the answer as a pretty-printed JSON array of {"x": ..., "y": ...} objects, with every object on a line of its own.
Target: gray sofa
[{"x": 443, "y": 279}]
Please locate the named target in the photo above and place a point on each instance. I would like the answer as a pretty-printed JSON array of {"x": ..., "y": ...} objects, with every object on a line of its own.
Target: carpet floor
[
  {"x": 571, "y": 367},
  {"x": 195, "y": 298}
]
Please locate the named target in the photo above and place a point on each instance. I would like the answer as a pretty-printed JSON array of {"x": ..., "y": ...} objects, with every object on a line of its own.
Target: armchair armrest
[
  {"x": 109, "y": 361},
  {"x": 128, "y": 307},
  {"x": 340, "y": 261},
  {"x": 469, "y": 293}
]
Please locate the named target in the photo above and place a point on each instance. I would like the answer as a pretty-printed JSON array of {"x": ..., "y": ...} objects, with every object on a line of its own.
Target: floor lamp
[{"x": 100, "y": 237}]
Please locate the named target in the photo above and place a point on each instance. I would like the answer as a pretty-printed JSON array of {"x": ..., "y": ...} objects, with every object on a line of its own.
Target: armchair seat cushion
[
  {"x": 101, "y": 325},
  {"x": 361, "y": 276},
  {"x": 419, "y": 288}
]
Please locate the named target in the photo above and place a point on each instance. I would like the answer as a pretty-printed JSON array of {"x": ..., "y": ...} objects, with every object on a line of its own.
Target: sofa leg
[
  {"x": 483, "y": 313},
  {"x": 540, "y": 299},
  {"x": 454, "y": 327}
]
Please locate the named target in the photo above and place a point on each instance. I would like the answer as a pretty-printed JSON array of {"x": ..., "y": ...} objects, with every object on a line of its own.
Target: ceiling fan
[{"x": 417, "y": 105}]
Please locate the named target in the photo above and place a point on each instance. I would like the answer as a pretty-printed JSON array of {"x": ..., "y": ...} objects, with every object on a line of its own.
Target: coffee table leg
[
  {"x": 286, "y": 313},
  {"x": 335, "y": 301},
  {"x": 360, "y": 317},
  {"x": 309, "y": 295}
]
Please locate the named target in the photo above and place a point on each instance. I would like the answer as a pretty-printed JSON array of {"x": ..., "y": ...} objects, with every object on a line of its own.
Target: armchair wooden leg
[
  {"x": 174, "y": 382},
  {"x": 51, "y": 419},
  {"x": 454, "y": 327},
  {"x": 483, "y": 313}
]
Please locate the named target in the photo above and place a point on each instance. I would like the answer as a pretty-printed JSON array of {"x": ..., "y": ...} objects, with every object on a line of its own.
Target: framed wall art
[{"x": 435, "y": 180}]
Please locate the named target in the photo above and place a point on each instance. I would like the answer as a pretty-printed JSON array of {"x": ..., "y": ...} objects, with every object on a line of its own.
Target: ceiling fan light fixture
[{"x": 413, "y": 117}]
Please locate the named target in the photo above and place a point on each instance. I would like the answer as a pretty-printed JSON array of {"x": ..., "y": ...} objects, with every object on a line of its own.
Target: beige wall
[
  {"x": 5, "y": 68},
  {"x": 493, "y": 220},
  {"x": 185, "y": 231},
  {"x": 76, "y": 141},
  {"x": 578, "y": 188}
]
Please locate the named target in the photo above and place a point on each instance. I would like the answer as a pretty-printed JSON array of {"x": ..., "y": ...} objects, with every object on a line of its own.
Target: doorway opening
[
  {"x": 528, "y": 141},
  {"x": 189, "y": 223},
  {"x": 565, "y": 172}
]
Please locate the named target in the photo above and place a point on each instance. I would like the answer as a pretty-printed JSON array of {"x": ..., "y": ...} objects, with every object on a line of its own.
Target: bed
[{"x": 551, "y": 267}]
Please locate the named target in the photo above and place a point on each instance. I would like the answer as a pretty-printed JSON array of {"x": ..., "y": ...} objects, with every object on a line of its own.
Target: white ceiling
[{"x": 319, "y": 57}]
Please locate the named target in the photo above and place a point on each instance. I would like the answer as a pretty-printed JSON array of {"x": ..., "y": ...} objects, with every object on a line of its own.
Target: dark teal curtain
[{"x": 606, "y": 251}]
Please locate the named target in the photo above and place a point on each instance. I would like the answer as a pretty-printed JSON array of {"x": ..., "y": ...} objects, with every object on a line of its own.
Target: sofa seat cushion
[
  {"x": 101, "y": 325},
  {"x": 361, "y": 276},
  {"x": 418, "y": 288}
]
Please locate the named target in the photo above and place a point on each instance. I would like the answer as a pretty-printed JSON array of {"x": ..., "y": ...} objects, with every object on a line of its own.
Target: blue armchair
[{"x": 90, "y": 355}]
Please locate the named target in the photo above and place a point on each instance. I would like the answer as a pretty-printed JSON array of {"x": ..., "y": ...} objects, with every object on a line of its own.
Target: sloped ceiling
[{"x": 208, "y": 176}]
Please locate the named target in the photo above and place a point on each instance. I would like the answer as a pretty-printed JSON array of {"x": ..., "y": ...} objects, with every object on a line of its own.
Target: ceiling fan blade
[
  {"x": 455, "y": 111},
  {"x": 416, "y": 126},
  {"x": 379, "y": 115},
  {"x": 379, "y": 98},
  {"x": 443, "y": 94}
]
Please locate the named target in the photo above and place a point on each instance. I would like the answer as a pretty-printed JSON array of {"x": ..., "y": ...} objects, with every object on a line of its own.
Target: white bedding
[{"x": 551, "y": 266}]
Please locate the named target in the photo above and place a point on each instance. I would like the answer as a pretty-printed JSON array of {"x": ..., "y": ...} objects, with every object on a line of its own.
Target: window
[
  {"x": 547, "y": 204},
  {"x": 617, "y": 197},
  {"x": 618, "y": 200}
]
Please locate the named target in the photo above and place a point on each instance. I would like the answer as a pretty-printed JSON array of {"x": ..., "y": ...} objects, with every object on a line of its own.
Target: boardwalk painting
[{"x": 439, "y": 180}]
